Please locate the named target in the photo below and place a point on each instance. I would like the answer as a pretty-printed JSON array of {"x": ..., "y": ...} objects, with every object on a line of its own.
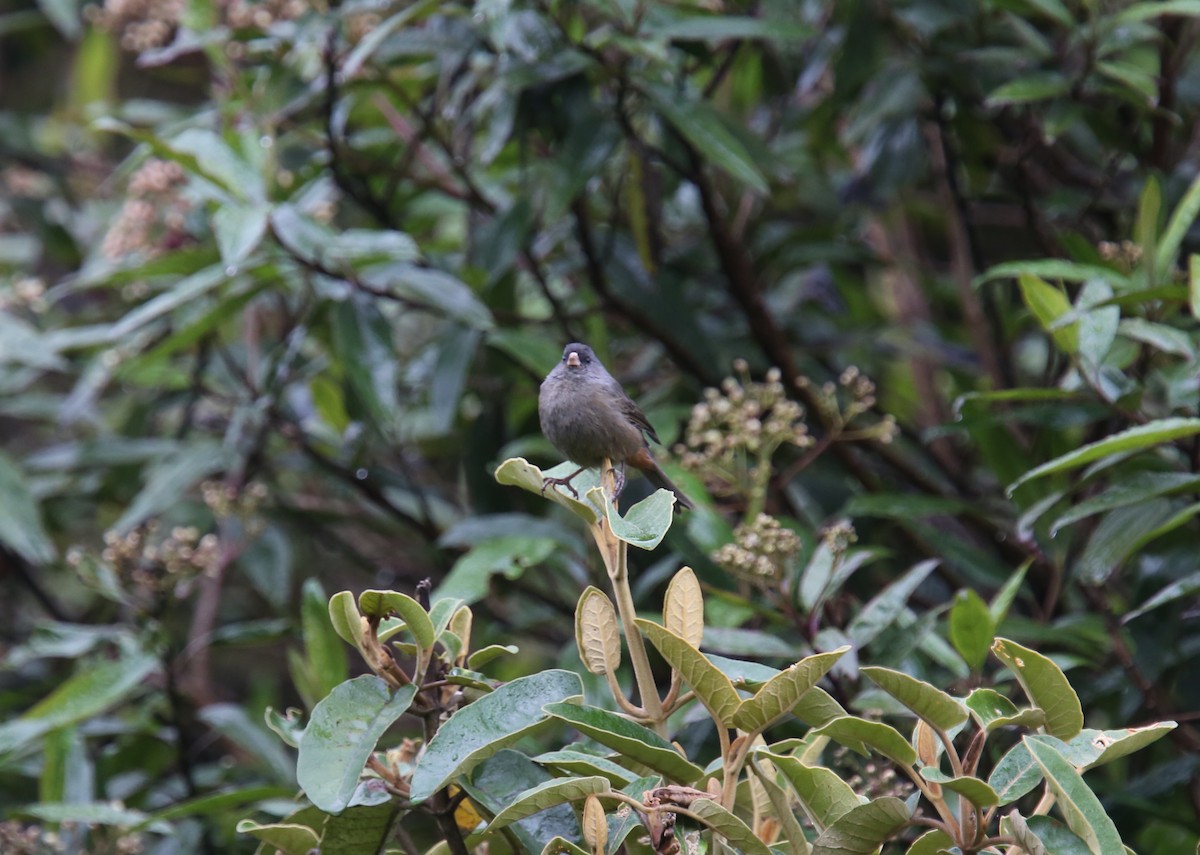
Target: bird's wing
[{"x": 636, "y": 417}]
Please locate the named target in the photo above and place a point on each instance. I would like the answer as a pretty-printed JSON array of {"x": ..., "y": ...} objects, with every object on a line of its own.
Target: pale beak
[{"x": 573, "y": 359}]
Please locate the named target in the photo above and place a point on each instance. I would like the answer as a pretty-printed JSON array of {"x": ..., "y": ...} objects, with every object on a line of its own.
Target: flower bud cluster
[
  {"x": 153, "y": 218},
  {"x": 851, "y": 396},
  {"x": 839, "y": 536},
  {"x": 761, "y": 550},
  {"x": 742, "y": 417},
  {"x": 226, "y": 501},
  {"x": 19, "y": 839},
  {"x": 142, "y": 24},
  {"x": 26, "y": 293},
  {"x": 261, "y": 14},
  {"x": 153, "y": 564}
]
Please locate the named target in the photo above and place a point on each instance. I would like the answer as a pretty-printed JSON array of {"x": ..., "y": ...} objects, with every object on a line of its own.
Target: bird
[{"x": 587, "y": 416}]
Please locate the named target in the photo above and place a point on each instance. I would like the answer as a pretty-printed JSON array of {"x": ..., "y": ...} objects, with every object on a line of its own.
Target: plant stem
[{"x": 615, "y": 553}]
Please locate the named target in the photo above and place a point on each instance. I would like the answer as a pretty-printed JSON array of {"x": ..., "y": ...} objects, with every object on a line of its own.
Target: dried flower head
[{"x": 153, "y": 218}]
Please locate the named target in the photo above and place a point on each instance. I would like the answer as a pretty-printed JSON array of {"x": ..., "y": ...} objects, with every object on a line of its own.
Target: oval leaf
[
  {"x": 1135, "y": 439},
  {"x": 556, "y": 791},
  {"x": 711, "y": 686},
  {"x": 383, "y": 603},
  {"x": 596, "y": 632},
  {"x": 854, "y": 732},
  {"x": 782, "y": 692},
  {"x": 1046, "y": 685},
  {"x": 631, "y": 739},
  {"x": 824, "y": 796},
  {"x": 683, "y": 607},
  {"x": 729, "y": 826},
  {"x": 930, "y": 703},
  {"x": 863, "y": 829},
  {"x": 479, "y": 730},
  {"x": 972, "y": 789},
  {"x": 1084, "y": 813},
  {"x": 343, "y": 731}
]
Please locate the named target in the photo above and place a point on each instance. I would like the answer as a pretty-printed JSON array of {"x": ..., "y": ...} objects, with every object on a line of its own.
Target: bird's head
[{"x": 577, "y": 356}]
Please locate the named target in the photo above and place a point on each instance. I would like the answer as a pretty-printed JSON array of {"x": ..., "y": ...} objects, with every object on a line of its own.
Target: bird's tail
[{"x": 658, "y": 478}]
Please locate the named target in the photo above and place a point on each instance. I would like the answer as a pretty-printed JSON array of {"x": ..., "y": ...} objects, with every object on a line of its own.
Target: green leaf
[
  {"x": 862, "y": 829},
  {"x": 383, "y": 603},
  {"x": 933, "y": 842},
  {"x": 1015, "y": 774},
  {"x": 239, "y": 229},
  {"x": 326, "y": 658},
  {"x": 972, "y": 789},
  {"x": 1178, "y": 589},
  {"x": 519, "y": 472},
  {"x": 547, "y": 794},
  {"x": 886, "y": 606},
  {"x": 729, "y": 826},
  {"x": 854, "y": 732},
  {"x": 971, "y": 628},
  {"x": 929, "y": 703},
  {"x": 779, "y": 696},
  {"x": 1132, "y": 489},
  {"x": 1084, "y": 813},
  {"x": 1046, "y": 685},
  {"x": 510, "y": 555},
  {"x": 1120, "y": 534},
  {"x": 94, "y": 688},
  {"x": 646, "y": 523},
  {"x": 20, "y": 521},
  {"x": 1106, "y": 746},
  {"x": 724, "y": 27},
  {"x": 288, "y": 838},
  {"x": 705, "y": 129},
  {"x": 992, "y": 710},
  {"x": 1131, "y": 440},
  {"x": 91, "y": 813},
  {"x": 498, "y": 780},
  {"x": 1182, "y": 219},
  {"x": 342, "y": 733},
  {"x": 1054, "y": 268},
  {"x": 495, "y": 721},
  {"x": 1162, "y": 337},
  {"x": 358, "y": 829},
  {"x": 583, "y": 763},
  {"x": 185, "y": 291},
  {"x": 435, "y": 289},
  {"x": 484, "y": 655},
  {"x": 1050, "y": 305},
  {"x": 712, "y": 687},
  {"x": 169, "y": 480},
  {"x": 1025, "y": 90},
  {"x": 1145, "y": 11},
  {"x": 1194, "y": 284},
  {"x": 346, "y": 620},
  {"x": 629, "y": 738},
  {"x": 823, "y": 795},
  {"x": 1145, "y": 226},
  {"x": 1014, "y": 825}
]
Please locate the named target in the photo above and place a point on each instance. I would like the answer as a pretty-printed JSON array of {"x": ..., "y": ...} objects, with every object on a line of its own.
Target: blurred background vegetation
[{"x": 279, "y": 281}]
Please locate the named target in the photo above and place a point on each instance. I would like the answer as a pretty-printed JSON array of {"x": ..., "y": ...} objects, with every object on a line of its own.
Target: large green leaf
[
  {"x": 712, "y": 687},
  {"x": 495, "y": 721},
  {"x": 779, "y": 696},
  {"x": 342, "y": 733},
  {"x": 705, "y": 129},
  {"x": 20, "y": 521},
  {"x": 862, "y": 829},
  {"x": 1134, "y": 439},
  {"x": 1084, "y": 813},
  {"x": 1046, "y": 685},
  {"x": 929, "y": 703},
  {"x": 94, "y": 688},
  {"x": 824, "y": 796},
  {"x": 547, "y": 794},
  {"x": 631, "y": 739}
]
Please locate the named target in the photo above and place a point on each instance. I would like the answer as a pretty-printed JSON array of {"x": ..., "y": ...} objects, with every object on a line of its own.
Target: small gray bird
[{"x": 588, "y": 417}]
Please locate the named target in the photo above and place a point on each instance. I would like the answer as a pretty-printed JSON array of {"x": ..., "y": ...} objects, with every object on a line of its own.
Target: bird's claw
[{"x": 562, "y": 482}]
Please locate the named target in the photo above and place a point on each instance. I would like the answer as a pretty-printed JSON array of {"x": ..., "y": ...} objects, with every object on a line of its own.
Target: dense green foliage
[{"x": 280, "y": 281}]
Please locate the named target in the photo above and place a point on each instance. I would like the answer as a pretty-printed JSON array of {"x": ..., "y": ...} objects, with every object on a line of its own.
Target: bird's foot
[
  {"x": 618, "y": 481},
  {"x": 562, "y": 482}
]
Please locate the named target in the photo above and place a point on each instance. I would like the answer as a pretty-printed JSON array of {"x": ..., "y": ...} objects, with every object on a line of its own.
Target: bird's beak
[{"x": 573, "y": 359}]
